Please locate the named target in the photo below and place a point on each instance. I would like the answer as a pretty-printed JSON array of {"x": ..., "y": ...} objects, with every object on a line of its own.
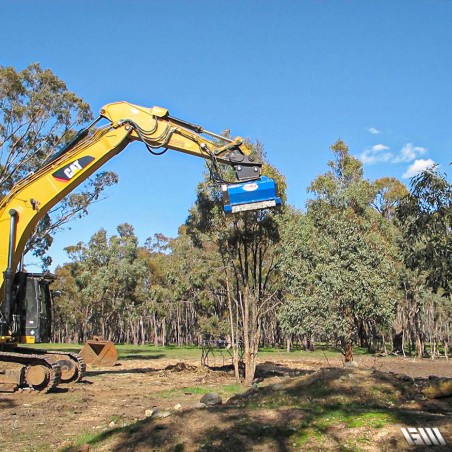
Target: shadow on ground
[
  {"x": 331, "y": 409},
  {"x": 6, "y": 403},
  {"x": 117, "y": 370}
]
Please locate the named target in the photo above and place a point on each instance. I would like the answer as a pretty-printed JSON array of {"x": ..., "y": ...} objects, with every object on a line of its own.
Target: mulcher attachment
[{"x": 252, "y": 195}]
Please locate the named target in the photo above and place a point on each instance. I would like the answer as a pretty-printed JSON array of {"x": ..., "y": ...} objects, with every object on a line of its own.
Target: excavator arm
[{"x": 91, "y": 148}]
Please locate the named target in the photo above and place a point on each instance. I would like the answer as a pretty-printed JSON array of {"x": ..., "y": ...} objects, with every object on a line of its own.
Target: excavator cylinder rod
[{"x": 255, "y": 195}]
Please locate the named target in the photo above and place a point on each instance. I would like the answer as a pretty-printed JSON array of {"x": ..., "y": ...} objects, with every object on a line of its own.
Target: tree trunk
[
  {"x": 348, "y": 355},
  {"x": 234, "y": 339},
  {"x": 250, "y": 336},
  {"x": 288, "y": 343},
  {"x": 164, "y": 332}
]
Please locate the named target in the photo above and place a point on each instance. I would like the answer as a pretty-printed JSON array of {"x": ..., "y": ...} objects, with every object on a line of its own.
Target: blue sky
[{"x": 296, "y": 75}]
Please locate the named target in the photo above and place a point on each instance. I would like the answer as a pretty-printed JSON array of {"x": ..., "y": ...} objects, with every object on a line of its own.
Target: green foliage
[
  {"x": 389, "y": 193},
  {"x": 246, "y": 262},
  {"x": 336, "y": 271},
  {"x": 338, "y": 260},
  {"x": 343, "y": 186},
  {"x": 425, "y": 217},
  {"x": 105, "y": 275},
  {"x": 37, "y": 115},
  {"x": 37, "y": 112}
]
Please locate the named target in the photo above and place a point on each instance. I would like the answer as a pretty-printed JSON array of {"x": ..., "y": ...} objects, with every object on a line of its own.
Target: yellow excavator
[{"x": 37, "y": 193}]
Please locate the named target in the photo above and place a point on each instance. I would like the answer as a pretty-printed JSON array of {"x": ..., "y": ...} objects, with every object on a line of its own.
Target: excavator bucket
[
  {"x": 98, "y": 352},
  {"x": 253, "y": 195}
]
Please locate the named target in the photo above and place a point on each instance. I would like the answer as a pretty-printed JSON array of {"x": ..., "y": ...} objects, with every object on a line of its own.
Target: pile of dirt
[{"x": 371, "y": 388}]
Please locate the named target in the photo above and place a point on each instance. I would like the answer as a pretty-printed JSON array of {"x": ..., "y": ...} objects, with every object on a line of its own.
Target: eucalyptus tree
[
  {"x": 424, "y": 217},
  {"x": 338, "y": 261},
  {"x": 153, "y": 289},
  {"x": 195, "y": 276},
  {"x": 106, "y": 272},
  {"x": 247, "y": 246},
  {"x": 389, "y": 193},
  {"x": 37, "y": 115}
]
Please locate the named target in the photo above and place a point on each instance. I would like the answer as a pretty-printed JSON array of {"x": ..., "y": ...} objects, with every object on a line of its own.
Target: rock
[
  {"x": 111, "y": 424},
  {"x": 199, "y": 405},
  {"x": 85, "y": 448},
  {"x": 278, "y": 387},
  {"x": 149, "y": 413},
  {"x": 178, "y": 407},
  {"x": 351, "y": 364},
  {"x": 157, "y": 414},
  {"x": 211, "y": 398},
  {"x": 437, "y": 388}
]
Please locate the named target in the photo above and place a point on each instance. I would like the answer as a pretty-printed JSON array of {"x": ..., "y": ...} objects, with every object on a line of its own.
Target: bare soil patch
[{"x": 297, "y": 404}]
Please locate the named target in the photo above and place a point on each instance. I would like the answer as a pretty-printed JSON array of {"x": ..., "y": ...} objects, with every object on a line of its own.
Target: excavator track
[
  {"x": 72, "y": 365},
  {"x": 35, "y": 371},
  {"x": 79, "y": 363}
]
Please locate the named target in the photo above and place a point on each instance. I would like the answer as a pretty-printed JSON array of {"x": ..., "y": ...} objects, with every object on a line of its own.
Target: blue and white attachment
[{"x": 252, "y": 195}]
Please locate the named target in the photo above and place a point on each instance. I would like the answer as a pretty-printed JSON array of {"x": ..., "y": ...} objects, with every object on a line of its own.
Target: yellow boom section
[{"x": 37, "y": 193}]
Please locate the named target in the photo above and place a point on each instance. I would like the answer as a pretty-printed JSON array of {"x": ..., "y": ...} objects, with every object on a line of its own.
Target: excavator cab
[
  {"x": 31, "y": 311},
  {"x": 33, "y": 299}
]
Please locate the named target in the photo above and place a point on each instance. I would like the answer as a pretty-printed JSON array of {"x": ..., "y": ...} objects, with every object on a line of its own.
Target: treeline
[{"x": 366, "y": 263}]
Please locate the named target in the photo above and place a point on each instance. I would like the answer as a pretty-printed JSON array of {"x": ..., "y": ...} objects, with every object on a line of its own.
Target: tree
[
  {"x": 425, "y": 218},
  {"x": 338, "y": 261},
  {"x": 106, "y": 273},
  {"x": 389, "y": 193},
  {"x": 38, "y": 114},
  {"x": 246, "y": 244}
]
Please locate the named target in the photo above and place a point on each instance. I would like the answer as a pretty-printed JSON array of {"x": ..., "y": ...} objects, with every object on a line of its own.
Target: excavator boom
[{"x": 37, "y": 193}]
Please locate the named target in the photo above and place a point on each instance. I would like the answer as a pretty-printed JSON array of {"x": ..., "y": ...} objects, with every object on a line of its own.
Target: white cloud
[
  {"x": 380, "y": 147},
  {"x": 409, "y": 152},
  {"x": 375, "y": 155},
  {"x": 374, "y": 131},
  {"x": 418, "y": 166}
]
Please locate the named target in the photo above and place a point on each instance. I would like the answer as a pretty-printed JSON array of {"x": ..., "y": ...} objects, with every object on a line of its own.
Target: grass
[
  {"x": 147, "y": 351},
  {"x": 185, "y": 352},
  {"x": 133, "y": 351},
  {"x": 225, "y": 390},
  {"x": 317, "y": 426}
]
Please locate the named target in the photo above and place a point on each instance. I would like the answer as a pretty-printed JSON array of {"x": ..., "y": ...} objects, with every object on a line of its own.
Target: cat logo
[{"x": 71, "y": 169}]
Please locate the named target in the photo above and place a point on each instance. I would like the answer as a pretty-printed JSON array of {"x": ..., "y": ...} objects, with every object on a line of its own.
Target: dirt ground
[{"x": 296, "y": 404}]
